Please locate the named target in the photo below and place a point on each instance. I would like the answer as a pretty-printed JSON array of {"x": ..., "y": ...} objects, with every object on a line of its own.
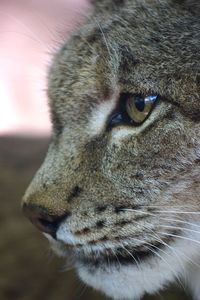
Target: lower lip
[{"x": 123, "y": 257}]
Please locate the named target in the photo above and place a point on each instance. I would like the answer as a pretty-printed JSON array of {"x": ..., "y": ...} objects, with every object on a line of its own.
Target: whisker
[
  {"x": 69, "y": 264},
  {"x": 138, "y": 211},
  {"x": 82, "y": 292},
  {"x": 180, "y": 221},
  {"x": 160, "y": 250},
  {"x": 86, "y": 42},
  {"x": 160, "y": 211},
  {"x": 178, "y": 212},
  {"x": 158, "y": 238},
  {"x": 19, "y": 22},
  {"x": 175, "y": 252},
  {"x": 67, "y": 269},
  {"x": 104, "y": 38},
  {"x": 175, "y": 274},
  {"x": 109, "y": 264},
  {"x": 131, "y": 255},
  {"x": 51, "y": 33},
  {"x": 47, "y": 51},
  {"x": 181, "y": 228},
  {"x": 178, "y": 236},
  {"x": 116, "y": 258},
  {"x": 177, "y": 256},
  {"x": 174, "y": 206}
]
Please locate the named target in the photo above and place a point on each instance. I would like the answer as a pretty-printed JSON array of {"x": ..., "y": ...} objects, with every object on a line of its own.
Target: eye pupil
[
  {"x": 140, "y": 104},
  {"x": 132, "y": 109}
]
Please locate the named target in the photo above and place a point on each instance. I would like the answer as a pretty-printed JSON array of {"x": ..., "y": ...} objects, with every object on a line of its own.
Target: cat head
[{"x": 120, "y": 183}]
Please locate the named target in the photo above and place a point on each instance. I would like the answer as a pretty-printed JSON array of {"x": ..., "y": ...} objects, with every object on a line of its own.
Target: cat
[{"x": 120, "y": 185}]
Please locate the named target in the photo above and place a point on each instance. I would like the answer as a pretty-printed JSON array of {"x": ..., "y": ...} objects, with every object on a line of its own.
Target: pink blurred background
[{"x": 31, "y": 30}]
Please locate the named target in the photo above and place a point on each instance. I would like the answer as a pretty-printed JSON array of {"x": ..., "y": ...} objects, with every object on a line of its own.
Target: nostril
[
  {"x": 46, "y": 226},
  {"x": 45, "y": 222}
]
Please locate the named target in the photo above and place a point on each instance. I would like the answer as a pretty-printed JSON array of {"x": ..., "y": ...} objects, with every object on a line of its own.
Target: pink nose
[{"x": 45, "y": 222}]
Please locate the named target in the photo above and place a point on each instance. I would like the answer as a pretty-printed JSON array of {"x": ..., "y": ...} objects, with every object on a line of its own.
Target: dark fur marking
[
  {"x": 83, "y": 231},
  {"x": 92, "y": 242},
  {"x": 122, "y": 256},
  {"x": 100, "y": 209},
  {"x": 138, "y": 175},
  {"x": 103, "y": 239},
  {"x": 122, "y": 223},
  {"x": 128, "y": 59},
  {"x": 67, "y": 214},
  {"x": 100, "y": 224},
  {"x": 119, "y": 209},
  {"x": 197, "y": 161},
  {"x": 93, "y": 38},
  {"x": 74, "y": 193},
  {"x": 198, "y": 79},
  {"x": 143, "y": 216},
  {"x": 122, "y": 208},
  {"x": 86, "y": 230},
  {"x": 57, "y": 125},
  {"x": 110, "y": 5}
]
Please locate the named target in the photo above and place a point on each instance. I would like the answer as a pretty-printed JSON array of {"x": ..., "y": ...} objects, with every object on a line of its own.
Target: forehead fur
[
  {"x": 191, "y": 5},
  {"x": 143, "y": 47}
]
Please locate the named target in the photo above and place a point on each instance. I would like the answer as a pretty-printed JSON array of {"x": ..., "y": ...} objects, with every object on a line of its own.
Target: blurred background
[{"x": 31, "y": 31}]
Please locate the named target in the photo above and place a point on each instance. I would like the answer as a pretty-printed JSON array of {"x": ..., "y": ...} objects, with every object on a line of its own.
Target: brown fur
[{"x": 143, "y": 47}]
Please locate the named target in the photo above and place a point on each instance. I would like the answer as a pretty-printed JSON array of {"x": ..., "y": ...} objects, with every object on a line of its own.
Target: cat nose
[{"x": 42, "y": 220}]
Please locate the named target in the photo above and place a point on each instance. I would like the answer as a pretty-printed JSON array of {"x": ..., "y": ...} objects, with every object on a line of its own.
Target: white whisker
[
  {"x": 138, "y": 211},
  {"x": 180, "y": 228},
  {"x": 178, "y": 236},
  {"x": 131, "y": 255},
  {"x": 25, "y": 27},
  {"x": 160, "y": 211},
  {"x": 104, "y": 38},
  {"x": 116, "y": 258},
  {"x": 178, "y": 212},
  {"x": 160, "y": 250},
  {"x": 158, "y": 238},
  {"x": 157, "y": 254},
  {"x": 180, "y": 221}
]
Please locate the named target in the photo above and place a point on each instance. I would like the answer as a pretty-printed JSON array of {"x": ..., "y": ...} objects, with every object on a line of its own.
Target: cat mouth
[
  {"x": 116, "y": 257},
  {"x": 121, "y": 256},
  {"x": 96, "y": 255}
]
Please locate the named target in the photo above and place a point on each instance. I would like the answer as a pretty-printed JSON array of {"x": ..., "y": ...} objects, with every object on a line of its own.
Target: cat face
[{"x": 120, "y": 183}]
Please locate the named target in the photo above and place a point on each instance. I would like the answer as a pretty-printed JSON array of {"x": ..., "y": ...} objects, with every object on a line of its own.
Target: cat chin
[
  {"x": 132, "y": 281},
  {"x": 177, "y": 262},
  {"x": 128, "y": 282}
]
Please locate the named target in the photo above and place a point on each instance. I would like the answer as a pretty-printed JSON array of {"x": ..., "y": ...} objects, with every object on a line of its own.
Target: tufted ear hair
[{"x": 191, "y": 5}]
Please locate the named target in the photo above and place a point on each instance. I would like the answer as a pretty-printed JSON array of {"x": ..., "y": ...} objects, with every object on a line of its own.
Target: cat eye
[
  {"x": 138, "y": 107},
  {"x": 133, "y": 109}
]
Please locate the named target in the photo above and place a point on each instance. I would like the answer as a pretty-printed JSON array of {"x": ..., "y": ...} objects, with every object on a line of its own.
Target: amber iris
[{"x": 139, "y": 107}]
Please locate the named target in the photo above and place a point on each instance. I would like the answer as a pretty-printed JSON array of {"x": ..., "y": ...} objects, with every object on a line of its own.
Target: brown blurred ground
[{"x": 27, "y": 271}]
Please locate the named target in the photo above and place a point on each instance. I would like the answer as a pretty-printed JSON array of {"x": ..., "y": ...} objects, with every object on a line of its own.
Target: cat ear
[{"x": 191, "y": 5}]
